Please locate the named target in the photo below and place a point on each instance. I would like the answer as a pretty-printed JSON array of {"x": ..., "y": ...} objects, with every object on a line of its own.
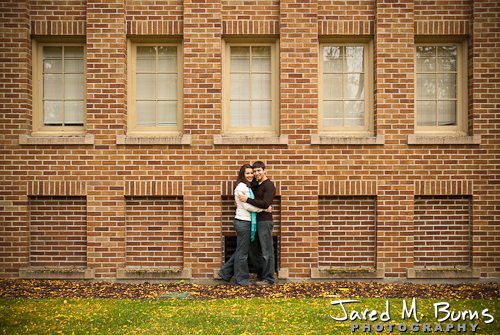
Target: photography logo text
[{"x": 375, "y": 321}]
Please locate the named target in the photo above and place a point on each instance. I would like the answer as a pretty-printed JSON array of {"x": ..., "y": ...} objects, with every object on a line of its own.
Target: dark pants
[
  {"x": 262, "y": 251},
  {"x": 237, "y": 265}
]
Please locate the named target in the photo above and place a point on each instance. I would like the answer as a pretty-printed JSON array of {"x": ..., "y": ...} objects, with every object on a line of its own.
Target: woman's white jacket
[{"x": 243, "y": 209}]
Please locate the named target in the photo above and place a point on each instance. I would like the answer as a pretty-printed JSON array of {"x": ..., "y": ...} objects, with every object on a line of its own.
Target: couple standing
[{"x": 253, "y": 222}]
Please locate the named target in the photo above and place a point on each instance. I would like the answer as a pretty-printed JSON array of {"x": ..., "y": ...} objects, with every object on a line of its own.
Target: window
[
  {"x": 346, "y": 99},
  {"x": 155, "y": 97},
  {"x": 59, "y": 88},
  {"x": 441, "y": 88},
  {"x": 250, "y": 88}
]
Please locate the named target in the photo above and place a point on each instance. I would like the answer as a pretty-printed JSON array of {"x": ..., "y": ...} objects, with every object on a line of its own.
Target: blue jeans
[
  {"x": 262, "y": 251},
  {"x": 237, "y": 265}
]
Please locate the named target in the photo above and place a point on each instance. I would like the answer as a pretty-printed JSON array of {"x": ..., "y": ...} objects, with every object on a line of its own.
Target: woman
[{"x": 237, "y": 265}]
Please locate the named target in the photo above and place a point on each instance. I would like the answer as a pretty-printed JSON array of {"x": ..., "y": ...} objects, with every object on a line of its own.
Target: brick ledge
[
  {"x": 443, "y": 274},
  {"x": 319, "y": 140},
  {"x": 323, "y": 274},
  {"x": 29, "y": 273},
  {"x": 415, "y": 139},
  {"x": 184, "y": 140},
  {"x": 122, "y": 273},
  {"x": 49, "y": 140},
  {"x": 278, "y": 140}
]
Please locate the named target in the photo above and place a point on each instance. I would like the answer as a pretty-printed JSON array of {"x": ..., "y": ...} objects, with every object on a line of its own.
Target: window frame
[
  {"x": 251, "y": 131},
  {"x": 38, "y": 128},
  {"x": 153, "y": 131},
  {"x": 367, "y": 130},
  {"x": 461, "y": 128}
]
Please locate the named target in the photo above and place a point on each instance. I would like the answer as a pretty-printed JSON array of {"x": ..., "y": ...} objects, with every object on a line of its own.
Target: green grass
[{"x": 231, "y": 316}]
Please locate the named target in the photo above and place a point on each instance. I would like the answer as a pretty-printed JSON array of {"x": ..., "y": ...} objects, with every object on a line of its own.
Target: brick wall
[
  {"x": 393, "y": 171},
  {"x": 346, "y": 232},
  {"x": 154, "y": 232},
  {"x": 58, "y": 232},
  {"x": 442, "y": 231}
]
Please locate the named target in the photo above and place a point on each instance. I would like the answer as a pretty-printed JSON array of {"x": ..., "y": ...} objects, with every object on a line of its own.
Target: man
[{"x": 261, "y": 250}]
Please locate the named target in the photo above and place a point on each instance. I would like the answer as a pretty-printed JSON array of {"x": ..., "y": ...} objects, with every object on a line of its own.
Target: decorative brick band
[
  {"x": 254, "y": 27},
  {"x": 152, "y": 188},
  {"x": 57, "y": 188},
  {"x": 344, "y": 187},
  {"x": 346, "y": 28},
  {"x": 227, "y": 187},
  {"x": 155, "y": 27},
  {"x": 444, "y": 187},
  {"x": 442, "y": 27},
  {"x": 58, "y": 28}
]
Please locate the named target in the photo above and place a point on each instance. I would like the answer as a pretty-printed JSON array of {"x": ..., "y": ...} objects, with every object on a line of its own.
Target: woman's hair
[{"x": 241, "y": 175}]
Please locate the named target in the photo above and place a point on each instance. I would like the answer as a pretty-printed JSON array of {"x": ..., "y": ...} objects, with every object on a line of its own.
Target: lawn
[{"x": 246, "y": 316}]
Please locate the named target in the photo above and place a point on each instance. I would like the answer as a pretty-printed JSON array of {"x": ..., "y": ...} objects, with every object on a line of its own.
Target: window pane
[
  {"x": 447, "y": 58},
  {"x": 447, "y": 86},
  {"x": 354, "y": 113},
  {"x": 73, "y": 65},
  {"x": 167, "y": 86},
  {"x": 261, "y": 86},
  {"x": 355, "y": 85},
  {"x": 426, "y": 113},
  {"x": 73, "y": 113},
  {"x": 146, "y": 59},
  {"x": 261, "y": 59},
  {"x": 426, "y": 59},
  {"x": 332, "y": 86},
  {"x": 167, "y": 113},
  {"x": 167, "y": 59},
  {"x": 146, "y": 113},
  {"x": 261, "y": 113},
  {"x": 73, "y": 86},
  {"x": 53, "y": 113},
  {"x": 240, "y": 86},
  {"x": 71, "y": 52},
  {"x": 447, "y": 113},
  {"x": 426, "y": 86},
  {"x": 73, "y": 59},
  {"x": 240, "y": 59},
  {"x": 52, "y": 59},
  {"x": 354, "y": 59},
  {"x": 333, "y": 114},
  {"x": 52, "y": 86},
  {"x": 240, "y": 113},
  {"x": 332, "y": 59},
  {"x": 63, "y": 85},
  {"x": 146, "y": 86}
]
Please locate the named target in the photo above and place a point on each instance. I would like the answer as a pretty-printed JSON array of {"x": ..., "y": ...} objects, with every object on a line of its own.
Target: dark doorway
[{"x": 230, "y": 247}]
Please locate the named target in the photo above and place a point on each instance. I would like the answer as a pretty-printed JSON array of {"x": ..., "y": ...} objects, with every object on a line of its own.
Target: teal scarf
[{"x": 253, "y": 215}]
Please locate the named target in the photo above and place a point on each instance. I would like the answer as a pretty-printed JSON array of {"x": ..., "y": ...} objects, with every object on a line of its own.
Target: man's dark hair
[{"x": 259, "y": 164}]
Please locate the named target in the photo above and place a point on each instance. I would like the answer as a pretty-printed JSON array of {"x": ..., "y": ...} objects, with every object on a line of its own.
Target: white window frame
[
  {"x": 367, "y": 130},
  {"x": 38, "y": 127},
  {"x": 133, "y": 130},
  {"x": 250, "y": 131},
  {"x": 461, "y": 128}
]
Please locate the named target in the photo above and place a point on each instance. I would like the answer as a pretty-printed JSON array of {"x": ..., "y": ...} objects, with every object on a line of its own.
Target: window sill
[
  {"x": 56, "y": 274},
  {"x": 124, "y": 140},
  {"x": 415, "y": 139},
  {"x": 320, "y": 140},
  {"x": 443, "y": 273},
  {"x": 88, "y": 139},
  {"x": 156, "y": 273},
  {"x": 347, "y": 274},
  {"x": 274, "y": 140}
]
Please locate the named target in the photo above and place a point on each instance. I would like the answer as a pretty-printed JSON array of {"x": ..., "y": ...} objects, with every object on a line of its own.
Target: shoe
[
  {"x": 262, "y": 283},
  {"x": 227, "y": 280}
]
